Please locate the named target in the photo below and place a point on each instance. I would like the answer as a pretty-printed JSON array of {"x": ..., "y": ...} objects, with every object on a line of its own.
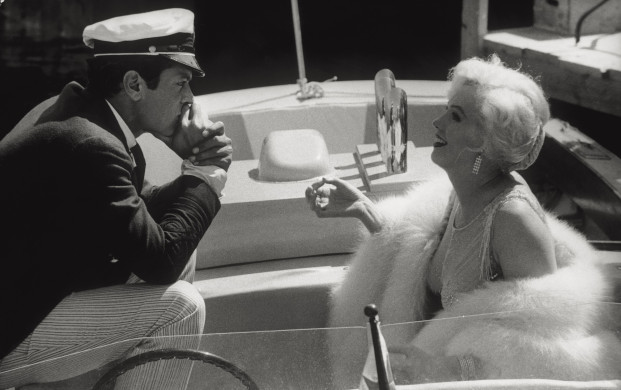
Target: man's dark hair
[{"x": 105, "y": 74}]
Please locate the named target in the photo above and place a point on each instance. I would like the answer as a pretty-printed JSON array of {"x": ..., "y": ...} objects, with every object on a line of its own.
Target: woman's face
[{"x": 458, "y": 134}]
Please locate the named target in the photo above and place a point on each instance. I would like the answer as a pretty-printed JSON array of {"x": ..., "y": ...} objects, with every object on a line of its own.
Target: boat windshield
[{"x": 314, "y": 358}]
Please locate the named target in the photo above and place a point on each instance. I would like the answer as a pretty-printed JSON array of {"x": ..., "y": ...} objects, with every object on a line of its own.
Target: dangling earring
[{"x": 477, "y": 164}]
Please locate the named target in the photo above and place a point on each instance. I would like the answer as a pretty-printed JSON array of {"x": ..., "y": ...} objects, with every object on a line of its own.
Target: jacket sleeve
[{"x": 154, "y": 239}]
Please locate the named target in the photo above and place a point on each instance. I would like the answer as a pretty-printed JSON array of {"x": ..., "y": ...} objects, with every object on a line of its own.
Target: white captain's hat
[{"x": 167, "y": 33}]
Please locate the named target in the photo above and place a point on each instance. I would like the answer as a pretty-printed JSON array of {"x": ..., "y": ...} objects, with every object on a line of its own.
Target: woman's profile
[{"x": 478, "y": 247}]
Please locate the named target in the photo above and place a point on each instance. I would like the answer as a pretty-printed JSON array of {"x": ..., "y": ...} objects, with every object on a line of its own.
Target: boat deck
[{"x": 267, "y": 265}]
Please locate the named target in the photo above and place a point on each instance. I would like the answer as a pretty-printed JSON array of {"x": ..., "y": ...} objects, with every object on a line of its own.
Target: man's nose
[{"x": 188, "y": 96}]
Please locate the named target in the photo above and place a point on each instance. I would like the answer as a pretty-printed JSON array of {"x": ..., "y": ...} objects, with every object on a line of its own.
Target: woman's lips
[{"x": 440, "y": 142}]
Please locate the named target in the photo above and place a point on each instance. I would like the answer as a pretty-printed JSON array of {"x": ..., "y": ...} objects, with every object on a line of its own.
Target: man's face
[{"x": 160, "y": 110}]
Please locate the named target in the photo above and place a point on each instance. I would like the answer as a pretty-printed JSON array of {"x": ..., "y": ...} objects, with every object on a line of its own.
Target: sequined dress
[{"x": 466, "y": 260}]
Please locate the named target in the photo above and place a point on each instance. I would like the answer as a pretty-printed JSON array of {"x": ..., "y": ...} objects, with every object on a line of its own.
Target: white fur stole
[{"x": 546, "y": 327}]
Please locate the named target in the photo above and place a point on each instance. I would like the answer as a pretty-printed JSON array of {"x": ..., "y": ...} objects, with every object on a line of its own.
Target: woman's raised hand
[{"x": 333, "y": 197}]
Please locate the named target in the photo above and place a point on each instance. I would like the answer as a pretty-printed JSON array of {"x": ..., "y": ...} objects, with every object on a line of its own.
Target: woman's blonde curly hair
[{"x": 511, "y": 110}]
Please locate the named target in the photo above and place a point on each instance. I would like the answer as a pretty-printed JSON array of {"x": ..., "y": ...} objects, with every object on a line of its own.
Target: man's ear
[{"x": 133, "y": 85}]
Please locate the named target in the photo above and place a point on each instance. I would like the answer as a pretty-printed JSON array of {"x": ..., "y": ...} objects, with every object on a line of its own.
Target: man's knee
[{"x": 185, "y": 302}]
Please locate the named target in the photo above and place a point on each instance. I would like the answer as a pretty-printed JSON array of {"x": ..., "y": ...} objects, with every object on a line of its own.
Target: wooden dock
[{"x": 587, "y": 73}]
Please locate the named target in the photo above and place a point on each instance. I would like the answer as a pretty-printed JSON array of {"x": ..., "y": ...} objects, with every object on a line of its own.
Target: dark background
[{"x": 246, "y": 44}]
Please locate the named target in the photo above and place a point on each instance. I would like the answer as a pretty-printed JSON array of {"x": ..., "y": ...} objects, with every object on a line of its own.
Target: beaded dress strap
[{"x": 487, "y": 258}]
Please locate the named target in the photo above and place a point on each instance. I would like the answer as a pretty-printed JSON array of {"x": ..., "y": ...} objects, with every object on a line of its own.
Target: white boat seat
[{"x": 272, "y": 295}]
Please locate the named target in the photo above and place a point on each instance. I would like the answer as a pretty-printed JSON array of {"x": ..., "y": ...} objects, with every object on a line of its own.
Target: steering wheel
[{"x": 164, "y": 354}]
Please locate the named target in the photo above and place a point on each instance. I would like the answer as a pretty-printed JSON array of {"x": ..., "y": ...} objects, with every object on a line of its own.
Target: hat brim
[{"x": 187, "y": 60}]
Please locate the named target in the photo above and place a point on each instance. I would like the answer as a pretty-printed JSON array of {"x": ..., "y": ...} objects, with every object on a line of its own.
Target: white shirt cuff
[{"x": 214, "y": 176}]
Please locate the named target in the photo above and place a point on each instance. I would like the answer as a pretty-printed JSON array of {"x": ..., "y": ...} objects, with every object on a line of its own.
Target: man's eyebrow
[{"x": 183, "y": 74}]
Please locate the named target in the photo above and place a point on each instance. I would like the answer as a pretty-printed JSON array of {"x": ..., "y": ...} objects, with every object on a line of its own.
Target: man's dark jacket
[{"x": 76, "y": 217}]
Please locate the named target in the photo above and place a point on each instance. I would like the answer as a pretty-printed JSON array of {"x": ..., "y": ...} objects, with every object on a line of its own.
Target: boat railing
[
  {"x": 322, "y": 358},
  {"x": 606, "y": 245}
]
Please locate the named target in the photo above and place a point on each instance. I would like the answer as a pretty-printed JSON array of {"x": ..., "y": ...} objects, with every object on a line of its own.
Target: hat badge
[{"x": 152, "y": 49}]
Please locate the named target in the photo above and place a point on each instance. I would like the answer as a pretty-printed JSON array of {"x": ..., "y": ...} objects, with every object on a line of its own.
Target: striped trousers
[{"x": 94, "y": 328}]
